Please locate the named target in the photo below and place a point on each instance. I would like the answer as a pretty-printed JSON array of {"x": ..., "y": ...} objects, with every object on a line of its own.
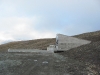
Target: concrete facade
[{"x": 64, "y": 43}]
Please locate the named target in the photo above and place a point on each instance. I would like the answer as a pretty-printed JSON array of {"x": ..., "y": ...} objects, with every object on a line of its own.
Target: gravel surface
[{"x": 40, "y": 64}]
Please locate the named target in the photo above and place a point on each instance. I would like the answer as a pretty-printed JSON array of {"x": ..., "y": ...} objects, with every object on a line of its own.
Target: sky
[{"x": 35, "y": 19}]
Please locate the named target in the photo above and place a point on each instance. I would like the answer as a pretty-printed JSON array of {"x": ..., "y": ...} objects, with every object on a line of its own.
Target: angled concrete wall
[{"x": 64, "y": 42}]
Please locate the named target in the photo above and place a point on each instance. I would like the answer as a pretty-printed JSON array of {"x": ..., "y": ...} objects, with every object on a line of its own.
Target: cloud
[
  {"x": 4, "y": 37},
  {"x": 17, "y": 28}
]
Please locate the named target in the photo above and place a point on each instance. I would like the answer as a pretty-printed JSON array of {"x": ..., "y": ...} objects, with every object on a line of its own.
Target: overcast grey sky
[{"x": 34, "y": 19}]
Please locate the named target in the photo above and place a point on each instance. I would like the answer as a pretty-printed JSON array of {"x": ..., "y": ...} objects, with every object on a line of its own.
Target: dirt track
[{"x": 39, "y": 64}]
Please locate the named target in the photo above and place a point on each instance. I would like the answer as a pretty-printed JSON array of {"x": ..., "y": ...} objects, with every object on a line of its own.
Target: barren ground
[{"x": 40, "y": 64}]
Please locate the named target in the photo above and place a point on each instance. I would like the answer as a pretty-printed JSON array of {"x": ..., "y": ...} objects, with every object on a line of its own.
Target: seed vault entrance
[{"x": 64, "y": 43}]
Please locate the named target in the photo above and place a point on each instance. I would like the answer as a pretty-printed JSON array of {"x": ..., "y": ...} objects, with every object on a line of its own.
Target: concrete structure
[
  {"x": 51, "y": 48},
  {"x": 64, "y": 43},
  {"x": 27, "y": 50}
]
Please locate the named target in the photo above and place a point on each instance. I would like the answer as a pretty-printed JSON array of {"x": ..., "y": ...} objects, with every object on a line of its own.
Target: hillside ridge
[{"x": 44, "y": 43}]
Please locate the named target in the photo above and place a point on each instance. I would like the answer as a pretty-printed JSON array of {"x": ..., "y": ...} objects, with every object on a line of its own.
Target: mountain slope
[
  {"x": 30, "y": 44},
  {"x": 92, "y": 36},
  {"x": 89, "y": 54}
]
